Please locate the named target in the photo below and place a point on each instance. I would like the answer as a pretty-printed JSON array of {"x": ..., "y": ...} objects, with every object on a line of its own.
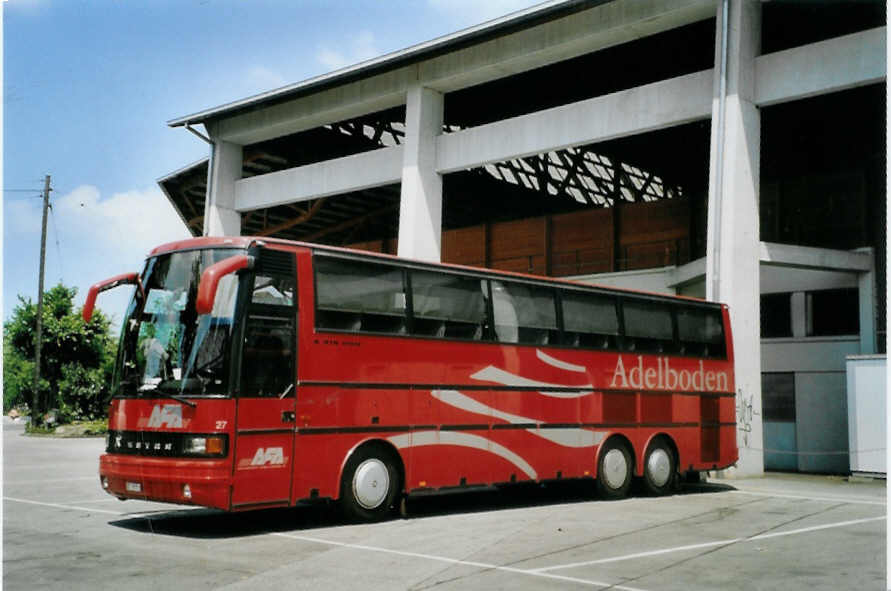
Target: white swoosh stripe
[
  {"x": 421, "y": 438},
  {"x": 559, "y": 364},
  {"x": 464, "y": 402},
  {"x": 499, "y": 376},
  {"x": 566, "y": 437},
  {"x": 571, "y": 437}
]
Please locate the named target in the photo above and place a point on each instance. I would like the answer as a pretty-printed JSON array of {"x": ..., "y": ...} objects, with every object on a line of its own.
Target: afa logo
[
  {"x": 168, "y": 415},
  {"x": 270, "y": 456}
]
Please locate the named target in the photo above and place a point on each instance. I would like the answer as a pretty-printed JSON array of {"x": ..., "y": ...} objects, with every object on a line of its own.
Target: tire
[
  {"x": 370, "y": 485},
  {"x": 614, "y": 470},
  {"x": 660, "y": 468}
]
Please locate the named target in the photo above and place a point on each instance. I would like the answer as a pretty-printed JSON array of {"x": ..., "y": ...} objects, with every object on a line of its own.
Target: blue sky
[{"x": 88, "y": 87}]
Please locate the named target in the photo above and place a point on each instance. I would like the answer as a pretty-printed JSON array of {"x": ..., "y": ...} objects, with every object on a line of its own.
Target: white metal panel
[{"x": 867, "y": 400}]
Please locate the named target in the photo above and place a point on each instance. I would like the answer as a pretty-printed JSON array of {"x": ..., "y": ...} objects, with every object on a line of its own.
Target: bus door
[{"x": 265, "y": 419}]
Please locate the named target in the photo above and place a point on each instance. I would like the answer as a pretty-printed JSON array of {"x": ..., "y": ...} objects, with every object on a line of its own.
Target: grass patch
[
  {"x": 97, "y": 428},
  {"x": 40, "y": 431}
]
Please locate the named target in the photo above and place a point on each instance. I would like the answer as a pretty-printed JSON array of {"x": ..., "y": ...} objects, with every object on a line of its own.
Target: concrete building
[{"x": 727, "y": 149}]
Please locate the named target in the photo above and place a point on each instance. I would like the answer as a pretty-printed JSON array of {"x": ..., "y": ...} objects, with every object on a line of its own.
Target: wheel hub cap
[
  {"x": 371, "y": 483},
  {"x": 659, "y": 467},
  {"x": 615, "y": 468}
]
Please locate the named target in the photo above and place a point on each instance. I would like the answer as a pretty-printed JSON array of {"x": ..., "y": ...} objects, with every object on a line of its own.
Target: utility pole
[{"x": 35, "y": 409}]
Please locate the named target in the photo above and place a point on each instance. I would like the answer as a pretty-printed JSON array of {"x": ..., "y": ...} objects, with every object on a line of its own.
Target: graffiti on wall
[{"x": 745, "y": 414}]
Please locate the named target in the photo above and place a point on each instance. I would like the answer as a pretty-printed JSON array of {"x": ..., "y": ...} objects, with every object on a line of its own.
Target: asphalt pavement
[{"x": 61, "y": 531}]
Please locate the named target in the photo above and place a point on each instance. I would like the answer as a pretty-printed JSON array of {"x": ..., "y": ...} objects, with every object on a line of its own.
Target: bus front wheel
[
  {"x": 370, "y": 484},
  {"x": 660, "y": 468},
  {"x": 614, "y": 470}
]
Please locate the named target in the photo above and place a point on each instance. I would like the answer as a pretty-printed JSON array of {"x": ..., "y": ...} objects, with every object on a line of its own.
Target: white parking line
[
  {"x": 766, "y": 493},
  {"x": 543, "y": 572},
  {"x": 90, "y": 501},
  {"x": 709, "y": 544},
  {"x": 74, "y": 507},
  {"x": 17, "y": 482},
  {"x": 483, "y": 565}
]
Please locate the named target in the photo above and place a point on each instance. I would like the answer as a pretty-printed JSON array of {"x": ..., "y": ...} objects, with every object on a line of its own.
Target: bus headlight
[{"x": 205, "y": 445}]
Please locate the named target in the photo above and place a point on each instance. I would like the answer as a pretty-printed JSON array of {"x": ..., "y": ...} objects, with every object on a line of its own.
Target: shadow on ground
[{"x": 212, "y": 523}]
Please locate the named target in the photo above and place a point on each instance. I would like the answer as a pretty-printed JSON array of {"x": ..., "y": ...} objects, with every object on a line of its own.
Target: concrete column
[
  {"x": 420, "y": 207},
  {"x": 866, "y": 289},
  {"x": 798, "y": 310},
  {"x": 220, "y": 217},
  {"x": 732, "y": 253}
]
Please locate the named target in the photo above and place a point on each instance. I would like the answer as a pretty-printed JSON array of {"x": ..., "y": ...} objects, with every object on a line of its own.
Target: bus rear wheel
[
  {"x": 614, "y": 470},
  {"x": 660, "y": 468},
  {"x": 370, "y": 484}
]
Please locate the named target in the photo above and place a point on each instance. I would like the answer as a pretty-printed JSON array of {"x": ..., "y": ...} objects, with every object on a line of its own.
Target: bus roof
[{"x": 248, "y": 241}]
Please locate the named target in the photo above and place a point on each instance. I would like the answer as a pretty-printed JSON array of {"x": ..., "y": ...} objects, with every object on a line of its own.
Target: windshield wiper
[
  {"x": 166, "y": 386},
  {"x": 182, "y": 399}
]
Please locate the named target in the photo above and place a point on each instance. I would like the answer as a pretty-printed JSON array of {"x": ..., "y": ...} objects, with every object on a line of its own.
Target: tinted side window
[
  {"x": 447, "y": 305},
  {"x": 359, "y": 296},
  {"x": 648, "y": 327},
  {"x": 589, "y": 320},
  {"x": 700, "y": 332},
  {"x": 271, "y": 290},
  {"x": 267, "y": 366},
  {"x": 524, "y": 313}
]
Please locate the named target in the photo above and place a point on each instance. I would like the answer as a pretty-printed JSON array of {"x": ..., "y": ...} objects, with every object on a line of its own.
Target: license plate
[{"x": 134, "y": 487}]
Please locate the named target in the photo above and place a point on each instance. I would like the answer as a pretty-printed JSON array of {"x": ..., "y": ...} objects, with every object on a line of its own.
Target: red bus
[{"x": 257, "y": 373}]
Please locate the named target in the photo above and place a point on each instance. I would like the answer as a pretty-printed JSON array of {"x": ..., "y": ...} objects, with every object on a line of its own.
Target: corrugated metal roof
[{"x": 515, "y": 21}]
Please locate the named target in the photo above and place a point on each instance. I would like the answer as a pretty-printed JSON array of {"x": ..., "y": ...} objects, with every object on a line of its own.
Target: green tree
[{"x": 76, "y": 358}]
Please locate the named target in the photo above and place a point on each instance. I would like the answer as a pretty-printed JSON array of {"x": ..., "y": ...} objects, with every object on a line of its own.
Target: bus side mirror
[
  {"x": 210, "y": 280},
  {"x": 111, "y": 283}
]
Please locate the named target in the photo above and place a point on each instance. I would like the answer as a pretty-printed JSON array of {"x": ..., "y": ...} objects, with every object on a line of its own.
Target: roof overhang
[{"x": 523, "y": 19}]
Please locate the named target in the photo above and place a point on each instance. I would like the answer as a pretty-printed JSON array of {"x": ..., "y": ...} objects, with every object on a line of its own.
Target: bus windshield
[{"x": 166, "y": 347}]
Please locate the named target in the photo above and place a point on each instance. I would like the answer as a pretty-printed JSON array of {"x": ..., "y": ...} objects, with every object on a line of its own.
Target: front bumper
[{"x": 165, "y": 479}]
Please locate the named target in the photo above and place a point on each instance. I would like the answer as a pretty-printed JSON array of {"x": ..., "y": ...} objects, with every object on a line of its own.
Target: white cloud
[
  {"x": 89, "y": 238},
  {"x": 260, "y": 79},
  {"x": 359, "y": 49},
  {"x": 132, "y": 222},
  {"x": 22, "y": 216}
]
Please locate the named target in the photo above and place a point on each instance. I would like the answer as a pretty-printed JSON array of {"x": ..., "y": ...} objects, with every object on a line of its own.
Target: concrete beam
[
  {"x": 807, "y": 257},
  {"x": 628, "y": 112},
  {"x": 775, "y": 279},
  {"x": 819, "y": 68},
  {"x": 688, "y": 273},
  {"x": 786, "y": 268},
  {"x": 331, "y": 177},
  {"x": 596, "y": 28},
  {"x": 329, "y": 106}
]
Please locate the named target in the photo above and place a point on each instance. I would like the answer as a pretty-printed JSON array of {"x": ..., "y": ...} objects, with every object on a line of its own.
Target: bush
[{"x": 76, "y": 359}]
